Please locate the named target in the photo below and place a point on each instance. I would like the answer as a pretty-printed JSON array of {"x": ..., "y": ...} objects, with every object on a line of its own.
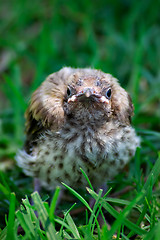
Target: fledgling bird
[{"x": 78, "y": 118}]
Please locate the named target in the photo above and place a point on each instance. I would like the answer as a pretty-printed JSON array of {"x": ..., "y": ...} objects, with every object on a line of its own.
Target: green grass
[{"x": 119, "y": 37}]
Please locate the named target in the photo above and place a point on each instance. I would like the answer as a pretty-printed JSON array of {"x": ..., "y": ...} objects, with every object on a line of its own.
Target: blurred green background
[{"x": 40, "y": 37}]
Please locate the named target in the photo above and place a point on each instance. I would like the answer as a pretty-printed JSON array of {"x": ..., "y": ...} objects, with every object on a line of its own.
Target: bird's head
[{"x": 85, "y": 95}]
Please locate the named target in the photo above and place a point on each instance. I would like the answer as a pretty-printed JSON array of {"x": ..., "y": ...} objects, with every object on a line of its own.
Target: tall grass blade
[
  {"x": 11, "y": 218},
  {"x": 44, "y": 218}
]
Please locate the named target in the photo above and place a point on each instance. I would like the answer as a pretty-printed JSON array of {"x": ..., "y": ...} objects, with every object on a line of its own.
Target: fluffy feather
[{"x": 78, "y": 118}]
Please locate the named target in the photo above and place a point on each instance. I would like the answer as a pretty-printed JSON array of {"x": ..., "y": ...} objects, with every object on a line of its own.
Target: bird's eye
[
  {"x": 68, "y": 91},
  {"x": 108, "y": 93}
]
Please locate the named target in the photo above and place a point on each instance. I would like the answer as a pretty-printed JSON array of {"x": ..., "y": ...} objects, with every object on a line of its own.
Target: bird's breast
[{"x": 101, "y": 152}]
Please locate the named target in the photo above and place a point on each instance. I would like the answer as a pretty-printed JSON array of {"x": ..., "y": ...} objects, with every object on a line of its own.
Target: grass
[{"x": 119, "y": 37}]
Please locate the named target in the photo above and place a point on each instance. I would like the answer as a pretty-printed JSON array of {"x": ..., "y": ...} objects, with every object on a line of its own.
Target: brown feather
[
  {"x": 47, "y": 104},
  {"x": 78, "y": 118}
]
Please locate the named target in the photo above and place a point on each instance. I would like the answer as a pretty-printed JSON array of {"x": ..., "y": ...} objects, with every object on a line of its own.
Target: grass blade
[
  {"x": 122, "y": 216},
  {"x": 53, "y": 204},
  {"x": 26, "y": 223},
  {"x": 116, "y": 214},
  {"x": 44, "y": 217},
  {"x": 86, "y": 177},
  {"x": 96, "y": 205},
  {"x": 72, "y": 226},
  {"x": 77, "y": 195},
  {"x": 153, "y": 174},
  {"x": 83, "y": 201},
  {"x": 11, "y": 218}
]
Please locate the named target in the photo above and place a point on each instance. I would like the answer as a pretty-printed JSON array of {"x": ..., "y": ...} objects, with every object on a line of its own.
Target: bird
[{"x": 78, "y": 118}]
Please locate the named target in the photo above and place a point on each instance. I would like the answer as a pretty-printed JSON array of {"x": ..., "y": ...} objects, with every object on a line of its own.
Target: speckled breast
[{"x": 59, "y": 156}]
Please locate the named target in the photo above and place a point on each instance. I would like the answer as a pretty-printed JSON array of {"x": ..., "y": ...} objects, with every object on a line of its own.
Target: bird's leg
[{"x": 37, "y": 186}]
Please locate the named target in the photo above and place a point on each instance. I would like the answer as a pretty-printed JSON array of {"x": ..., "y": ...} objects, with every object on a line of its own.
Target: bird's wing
[
  {"x": 45, "y": 111},
  {"x": 33, "y": 130}
]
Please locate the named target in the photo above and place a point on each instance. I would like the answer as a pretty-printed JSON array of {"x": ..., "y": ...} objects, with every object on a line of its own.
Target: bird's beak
[{"x": 87, "y": 93}]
